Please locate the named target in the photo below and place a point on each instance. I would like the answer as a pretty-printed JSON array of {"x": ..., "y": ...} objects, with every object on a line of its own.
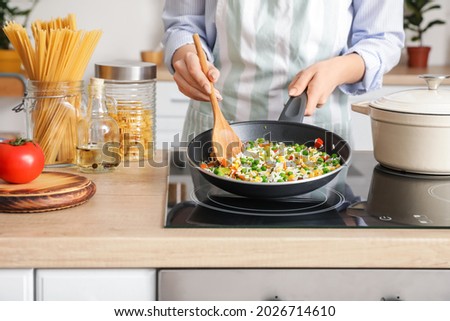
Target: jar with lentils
[{"x": 132, "y": 86}]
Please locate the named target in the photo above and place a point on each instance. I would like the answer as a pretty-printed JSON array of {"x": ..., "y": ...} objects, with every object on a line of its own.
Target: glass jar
[
  {"x": 53, "y": 110},
  {"x": 133, "y": 87}
]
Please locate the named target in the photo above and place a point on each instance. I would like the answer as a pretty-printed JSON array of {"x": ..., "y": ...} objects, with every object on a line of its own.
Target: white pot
[{"x": 411, "y": 129}]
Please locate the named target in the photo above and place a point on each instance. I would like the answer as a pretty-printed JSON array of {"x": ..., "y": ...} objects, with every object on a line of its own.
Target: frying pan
[{"x": 288, "y": 129}]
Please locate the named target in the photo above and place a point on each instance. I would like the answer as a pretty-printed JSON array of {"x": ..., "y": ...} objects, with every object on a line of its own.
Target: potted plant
[
  {"x": 414, "y": 21},
  {"x": 12, "y": 10}
]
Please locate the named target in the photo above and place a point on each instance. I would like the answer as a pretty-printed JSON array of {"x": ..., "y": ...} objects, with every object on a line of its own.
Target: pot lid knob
[{"x": 434, "y": 80}]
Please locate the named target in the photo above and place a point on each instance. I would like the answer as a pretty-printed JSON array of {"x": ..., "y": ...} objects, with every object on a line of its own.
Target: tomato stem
[{"x": 19, "y": 141}]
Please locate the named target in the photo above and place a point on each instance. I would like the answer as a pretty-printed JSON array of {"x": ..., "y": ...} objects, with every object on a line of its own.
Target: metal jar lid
[{"x": 125, "y": 70}]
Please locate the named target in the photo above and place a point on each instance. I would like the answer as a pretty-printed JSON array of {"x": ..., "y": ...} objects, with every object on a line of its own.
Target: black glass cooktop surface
[{"x": 363, "y": 195}]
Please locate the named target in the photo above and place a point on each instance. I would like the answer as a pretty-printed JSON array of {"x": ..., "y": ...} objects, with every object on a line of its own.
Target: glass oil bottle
[{"x": 98, "y": 140}]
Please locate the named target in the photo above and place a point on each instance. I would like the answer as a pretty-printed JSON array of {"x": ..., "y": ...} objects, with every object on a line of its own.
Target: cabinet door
[
  {"x": 171, "y": 107},
  {"x": 16, "y": 285},
  {"x": 95, "y": 284}
]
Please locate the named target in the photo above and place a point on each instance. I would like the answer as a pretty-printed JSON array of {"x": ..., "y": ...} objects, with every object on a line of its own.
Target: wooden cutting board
[{"x": 49, "y": 192}]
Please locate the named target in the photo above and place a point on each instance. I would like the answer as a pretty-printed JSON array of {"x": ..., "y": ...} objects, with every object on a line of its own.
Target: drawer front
[{"x": 304, "y": 284}]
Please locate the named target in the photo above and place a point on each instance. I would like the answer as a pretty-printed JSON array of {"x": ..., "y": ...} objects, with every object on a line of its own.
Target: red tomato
[{"x": 21, "y": 161}]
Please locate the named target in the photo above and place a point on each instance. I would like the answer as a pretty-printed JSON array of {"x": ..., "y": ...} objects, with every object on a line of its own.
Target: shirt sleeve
[
  {"x": 377, "y": 35},
  {"x": 183, "y": 18}
]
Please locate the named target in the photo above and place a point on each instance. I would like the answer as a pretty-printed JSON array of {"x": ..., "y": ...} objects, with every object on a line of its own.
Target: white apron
[{"x": 260, "y": 46}]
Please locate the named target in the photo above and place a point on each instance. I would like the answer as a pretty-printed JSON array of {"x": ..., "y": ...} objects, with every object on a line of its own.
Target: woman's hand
[
  {"x": 321, "y": 79},
  {"x": 189, "y": 76}
]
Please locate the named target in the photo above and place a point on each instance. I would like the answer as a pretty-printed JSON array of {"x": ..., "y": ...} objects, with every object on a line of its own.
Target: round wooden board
[{"x": 49, "y": 192}]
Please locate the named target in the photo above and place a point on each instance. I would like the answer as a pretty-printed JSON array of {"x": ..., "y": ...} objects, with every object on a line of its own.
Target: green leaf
[
  {"x": 415, "y": 20},
  {"x": 416, "y": 5},
  {"x": 432, "y": 7},
  {"x": 433, "y": 23}
]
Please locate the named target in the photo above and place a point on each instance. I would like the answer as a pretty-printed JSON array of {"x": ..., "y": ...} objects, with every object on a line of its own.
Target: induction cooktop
[{"x": 363, "y": 195}]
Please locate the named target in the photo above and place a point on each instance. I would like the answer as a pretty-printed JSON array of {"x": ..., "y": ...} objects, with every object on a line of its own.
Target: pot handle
[
  {"x": 362, "y": 107},
  {"x": 294, "y": 109}
]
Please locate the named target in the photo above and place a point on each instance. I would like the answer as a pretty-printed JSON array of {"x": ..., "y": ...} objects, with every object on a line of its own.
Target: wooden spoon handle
[
  {"x": 202, "y": 57},
  {"x": 200, "y": 53}
]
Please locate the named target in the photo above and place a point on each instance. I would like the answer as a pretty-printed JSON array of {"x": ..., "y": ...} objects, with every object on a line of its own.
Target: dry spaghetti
[{"x": 55, "y": 66}]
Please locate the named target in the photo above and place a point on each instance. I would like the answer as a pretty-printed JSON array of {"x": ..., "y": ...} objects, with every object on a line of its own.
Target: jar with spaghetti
[
  {"x": 53, "y": 110},
  {"x": 132, "y": 85}
]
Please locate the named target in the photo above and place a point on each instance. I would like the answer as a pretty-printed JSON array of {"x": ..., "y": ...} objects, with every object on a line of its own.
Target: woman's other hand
[
  {"x": 321, "y": 79},
  {"x": 189, "y": 76}
]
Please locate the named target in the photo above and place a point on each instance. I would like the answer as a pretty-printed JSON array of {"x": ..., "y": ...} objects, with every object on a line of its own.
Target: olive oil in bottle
[{"x": 98, "y": 134}]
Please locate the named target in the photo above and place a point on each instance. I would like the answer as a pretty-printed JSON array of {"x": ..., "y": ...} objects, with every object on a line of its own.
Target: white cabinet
[
  {"x": 96, "y": 284},
  {"x": 16, "y": 285},
  {"x": 171, "y": 107}
]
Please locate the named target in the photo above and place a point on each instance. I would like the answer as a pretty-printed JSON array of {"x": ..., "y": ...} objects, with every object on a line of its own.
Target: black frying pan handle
[{"x": 294, "y": 109}]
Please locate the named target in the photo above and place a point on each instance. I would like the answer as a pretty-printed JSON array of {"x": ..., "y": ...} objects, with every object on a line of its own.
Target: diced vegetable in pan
[{"x": 270, "y": 162}]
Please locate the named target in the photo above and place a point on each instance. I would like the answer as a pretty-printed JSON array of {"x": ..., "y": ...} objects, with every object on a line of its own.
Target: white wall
[
  {"x": 129, "y": 26},
  {"x": 135, "y": 25}
]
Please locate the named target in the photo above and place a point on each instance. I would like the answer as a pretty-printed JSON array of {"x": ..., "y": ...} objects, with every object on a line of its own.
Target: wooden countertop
[
  {"x": 122, "y": 227},
  {"x": 401, "y": 75}
]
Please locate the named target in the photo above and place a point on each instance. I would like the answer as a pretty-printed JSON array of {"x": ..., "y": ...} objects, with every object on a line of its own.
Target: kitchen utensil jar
[
  {"x": 133, "y": 87},
  {"x": 52, "y": 112}
]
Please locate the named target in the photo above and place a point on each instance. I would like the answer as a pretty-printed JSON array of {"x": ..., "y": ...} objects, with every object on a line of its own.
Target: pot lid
[{"x": 429, "y": 101}]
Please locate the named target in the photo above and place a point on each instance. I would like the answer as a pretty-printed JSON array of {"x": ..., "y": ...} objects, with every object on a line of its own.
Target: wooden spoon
[{"x": 226, "y": 143}]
